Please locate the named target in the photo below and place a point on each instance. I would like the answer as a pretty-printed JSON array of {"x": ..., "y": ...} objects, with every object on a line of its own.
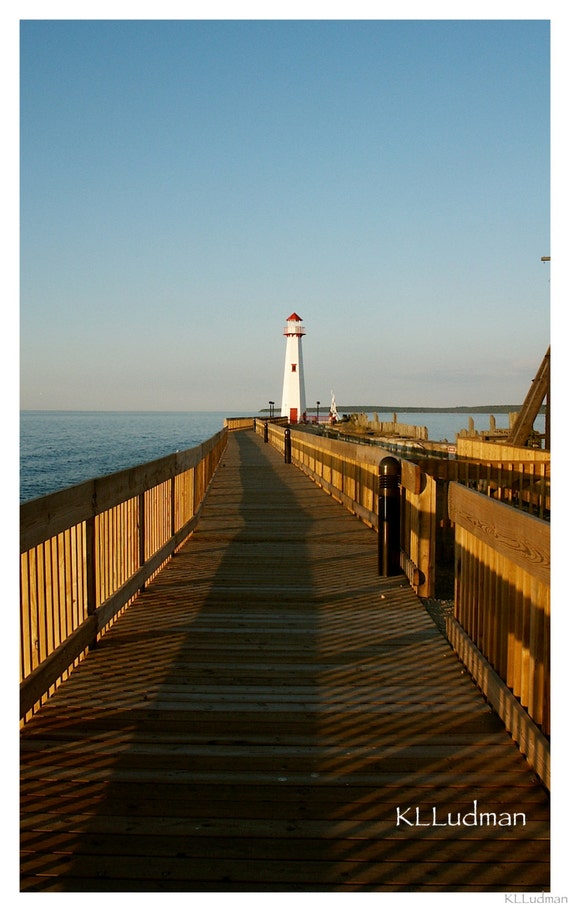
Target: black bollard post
[
  {"x": 287, "y": 449},
  {"x": 265, "y": 432},
  {"x": 389, "y": 518}
]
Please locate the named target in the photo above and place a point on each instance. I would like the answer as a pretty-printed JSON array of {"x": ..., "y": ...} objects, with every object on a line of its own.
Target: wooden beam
[
  {"x": 514, "y": 534},
  {"x": 518, "y": 723},
  {"x": 538, "y": 392}
]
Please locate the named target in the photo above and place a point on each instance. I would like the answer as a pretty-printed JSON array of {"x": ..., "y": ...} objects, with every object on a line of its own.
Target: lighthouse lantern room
[{"x": 293, "y": 405}]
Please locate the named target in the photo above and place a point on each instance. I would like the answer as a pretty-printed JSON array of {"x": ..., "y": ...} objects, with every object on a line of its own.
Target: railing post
[
  {"x": 91, "y": 570},
  {"x": 173, "y": 505},
  {"x": 142, "y": 532},
  {"x": 389, "y": 517},
  {"x": 287, "y": 444}
]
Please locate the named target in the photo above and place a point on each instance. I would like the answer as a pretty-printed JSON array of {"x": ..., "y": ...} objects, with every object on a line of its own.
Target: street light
[
  {"x": 318, "y": 404},
  {"x": 271, "y": 404}
]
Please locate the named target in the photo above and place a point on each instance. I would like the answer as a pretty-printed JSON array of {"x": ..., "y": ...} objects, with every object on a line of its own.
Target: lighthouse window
[{"x": 294, "y": 368}]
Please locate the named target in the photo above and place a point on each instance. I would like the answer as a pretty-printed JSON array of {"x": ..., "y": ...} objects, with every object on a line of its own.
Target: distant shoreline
[
  {"x": 404, "y": 409},
  {"x": 462, "y": 409}
]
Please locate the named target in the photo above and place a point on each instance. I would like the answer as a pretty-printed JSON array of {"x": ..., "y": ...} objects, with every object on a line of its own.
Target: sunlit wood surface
[{"x": 257, "y": 716}]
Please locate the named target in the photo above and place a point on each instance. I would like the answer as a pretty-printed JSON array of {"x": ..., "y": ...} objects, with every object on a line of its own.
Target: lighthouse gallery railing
[{"x": 87, "y": 550}]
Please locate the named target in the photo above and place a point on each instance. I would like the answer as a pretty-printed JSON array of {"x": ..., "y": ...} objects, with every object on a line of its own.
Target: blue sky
[{"x": 185, "y": 185}]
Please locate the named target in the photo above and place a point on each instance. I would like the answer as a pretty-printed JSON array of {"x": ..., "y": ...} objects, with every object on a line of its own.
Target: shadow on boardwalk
[{"x": 256, "y": 718}]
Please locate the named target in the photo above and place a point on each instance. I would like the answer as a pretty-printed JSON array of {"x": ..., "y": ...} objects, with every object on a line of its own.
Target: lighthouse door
[{"x": 293, "y": 416}]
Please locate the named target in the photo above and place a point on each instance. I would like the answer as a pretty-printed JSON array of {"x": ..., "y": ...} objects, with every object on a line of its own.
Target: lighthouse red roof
[{"x": 295, "y": 317}]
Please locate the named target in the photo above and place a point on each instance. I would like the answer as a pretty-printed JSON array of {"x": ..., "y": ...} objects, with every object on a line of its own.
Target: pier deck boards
[{"x": 254, "y": 720}]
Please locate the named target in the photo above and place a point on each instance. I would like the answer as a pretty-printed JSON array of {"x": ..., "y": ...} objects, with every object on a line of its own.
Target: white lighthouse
[{"x": 293, "y": 405}]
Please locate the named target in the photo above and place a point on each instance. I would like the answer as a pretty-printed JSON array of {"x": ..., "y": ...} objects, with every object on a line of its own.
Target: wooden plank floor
[{"x": 256, "y": 718}]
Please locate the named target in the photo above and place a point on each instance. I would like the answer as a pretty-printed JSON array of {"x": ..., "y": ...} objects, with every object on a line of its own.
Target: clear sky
[{"x": 186, "y": 185}]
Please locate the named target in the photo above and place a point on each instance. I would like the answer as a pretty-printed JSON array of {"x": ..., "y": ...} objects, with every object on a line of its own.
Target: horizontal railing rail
[
  {"x": 501, "y": 623},
  {"x": 524, "y": 484},
  {"x": 88, "y": 550},
  {"x": 248, "y": 422},
  {"x": 239, "y": 424}
]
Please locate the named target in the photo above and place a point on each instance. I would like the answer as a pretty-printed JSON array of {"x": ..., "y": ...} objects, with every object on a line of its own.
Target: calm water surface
[{"x": 60, "y": 449}]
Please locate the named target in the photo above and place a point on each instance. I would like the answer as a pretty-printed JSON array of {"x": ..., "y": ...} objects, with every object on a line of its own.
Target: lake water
[{"x": 59, "y": 449}]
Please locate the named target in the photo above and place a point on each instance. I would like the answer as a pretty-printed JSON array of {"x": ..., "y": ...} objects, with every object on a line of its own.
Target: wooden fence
[
  {"x": 87, "y": 550},
  {"x": 495, "y": 515},
  {"x": 350, "y": 473},
  {"x": 239, "y": 424},
  {"x": 524, "y": 484},
  {"x": 501, "y": 627},
  {"x": 349, "y": 470}
]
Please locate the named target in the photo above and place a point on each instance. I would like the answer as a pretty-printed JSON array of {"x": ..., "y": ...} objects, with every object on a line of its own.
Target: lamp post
[
  {"x": 318, "y": 404},
  {"x": 271, "y": 404}
]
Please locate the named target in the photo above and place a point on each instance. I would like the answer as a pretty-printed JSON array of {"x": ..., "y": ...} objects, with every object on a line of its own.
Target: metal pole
[
  {"x": 389, "y": 517},
  {"x": 287, "y": 448}
]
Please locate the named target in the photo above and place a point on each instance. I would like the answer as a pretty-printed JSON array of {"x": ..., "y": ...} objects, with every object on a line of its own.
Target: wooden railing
[
  {"x": 88, "y": 550},
  {"x": 524, "y": 484},
  {"x": 350, "y": 473},
  {"x": 501, "y": 627},
  {"x": 239, "y": 424}
]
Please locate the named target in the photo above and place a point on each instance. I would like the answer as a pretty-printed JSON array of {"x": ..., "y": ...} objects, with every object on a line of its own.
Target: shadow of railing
[{"x": 256, "y": 717}]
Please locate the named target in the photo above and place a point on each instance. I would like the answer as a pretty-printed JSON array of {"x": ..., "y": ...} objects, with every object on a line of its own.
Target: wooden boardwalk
[{"x": 256, "y": 718}]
